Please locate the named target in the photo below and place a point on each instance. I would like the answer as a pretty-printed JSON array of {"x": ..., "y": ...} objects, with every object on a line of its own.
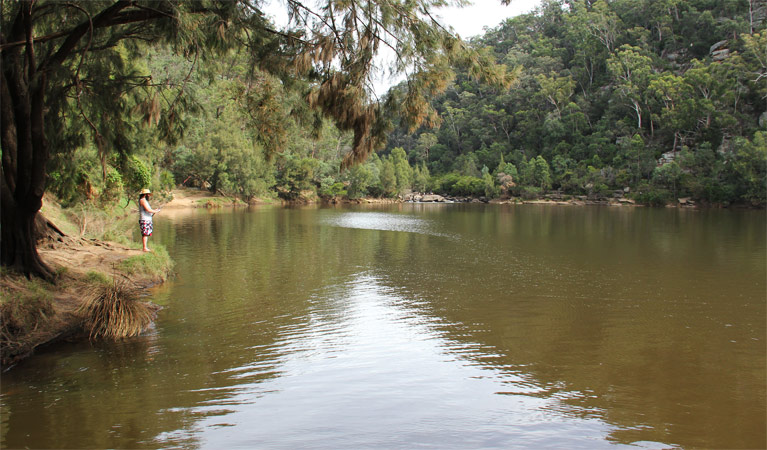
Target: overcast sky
[
  {"x": 471, "y": 20},
  {"x": 467, "y": 22}
]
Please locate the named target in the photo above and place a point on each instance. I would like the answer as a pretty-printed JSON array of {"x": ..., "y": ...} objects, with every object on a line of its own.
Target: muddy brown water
[{"x": 426, "y": 326}]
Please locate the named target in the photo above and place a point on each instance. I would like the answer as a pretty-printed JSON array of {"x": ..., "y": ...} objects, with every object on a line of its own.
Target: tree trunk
[
  {"x": 24, "y": 160},
  {"x": 751, "y": 16},
  {"x": 19, "y": 246},
  {"x": 18, "y": 239}
]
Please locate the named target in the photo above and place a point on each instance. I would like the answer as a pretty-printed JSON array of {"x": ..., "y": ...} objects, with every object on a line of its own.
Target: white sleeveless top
[{"x": 143, "y": 213}]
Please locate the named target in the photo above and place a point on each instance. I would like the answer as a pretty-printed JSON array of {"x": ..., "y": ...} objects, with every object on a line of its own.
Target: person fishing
[{"x": 145, "y": 216}]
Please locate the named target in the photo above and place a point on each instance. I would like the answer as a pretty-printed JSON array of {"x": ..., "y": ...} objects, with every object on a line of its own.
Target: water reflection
[
  {"x": 424, "y": 325},
  {"x": 366, "y": 368},
  {"x": 366, "y": 220}
]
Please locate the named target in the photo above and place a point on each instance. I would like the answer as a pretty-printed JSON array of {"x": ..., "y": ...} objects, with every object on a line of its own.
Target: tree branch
[{"x": 107, "y": 18}]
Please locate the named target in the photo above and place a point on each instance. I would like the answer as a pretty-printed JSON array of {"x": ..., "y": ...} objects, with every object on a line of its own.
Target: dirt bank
[
  {"x": 34, "y": 313},
  {"x": 185, "y": 198}
]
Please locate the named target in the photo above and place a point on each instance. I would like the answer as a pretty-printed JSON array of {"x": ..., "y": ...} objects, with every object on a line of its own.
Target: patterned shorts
[{"x": 146, "y": 227}]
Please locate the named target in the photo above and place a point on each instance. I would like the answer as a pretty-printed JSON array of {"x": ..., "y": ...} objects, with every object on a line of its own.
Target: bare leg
[{"x": 144, "y": 240}]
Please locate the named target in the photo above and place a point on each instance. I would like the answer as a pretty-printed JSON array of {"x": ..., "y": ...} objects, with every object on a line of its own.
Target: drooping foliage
[{"x": 75, "y": 86}]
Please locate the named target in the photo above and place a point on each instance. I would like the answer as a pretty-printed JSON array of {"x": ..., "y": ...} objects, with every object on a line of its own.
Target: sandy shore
[{"x": 185, "y": 198}]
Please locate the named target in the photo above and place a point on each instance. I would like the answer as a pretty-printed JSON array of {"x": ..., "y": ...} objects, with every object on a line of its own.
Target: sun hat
[{"x": 145, "y": 191}]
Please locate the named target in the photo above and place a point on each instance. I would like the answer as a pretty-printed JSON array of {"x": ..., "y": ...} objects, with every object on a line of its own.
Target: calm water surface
[{"x": 426, "y": 326}]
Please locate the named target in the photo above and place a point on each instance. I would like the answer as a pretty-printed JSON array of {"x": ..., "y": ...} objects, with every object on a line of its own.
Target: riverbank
[
  {"x": 570, "y": 200},
  {"x": 36, "y": 313},
  {"x": 618, "y": 199},
  {"x": 96, "y": 252},
  {"x": 187, "y": 198}
]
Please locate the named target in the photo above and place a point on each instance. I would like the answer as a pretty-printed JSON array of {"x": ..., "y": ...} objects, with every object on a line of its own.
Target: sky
[
  {"x": 467, "y": 22},
  {"x": 471, "y": 20}
]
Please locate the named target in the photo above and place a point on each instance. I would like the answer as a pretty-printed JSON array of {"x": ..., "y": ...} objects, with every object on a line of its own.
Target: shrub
[
  {"x": 22, "y": 309},
  {"x": 651, "y": 195},
  {"x": 295, "y": 175},
  {"x": 330, "y": 188},
  {"x": 360, "y": 178},
  {"x": 530, "y": 192},
  {"x": 460, "y": 185},
  {"x": 445, "y": 183},
  {"x": 138, "y": 175},
  {"x": 166, "y": 180},
  {"x": 113, "y": 188},
  {"x": 491, "y": 191},
  {"x": 114, "y": 311},
  {"x": 469, "y": 186}
]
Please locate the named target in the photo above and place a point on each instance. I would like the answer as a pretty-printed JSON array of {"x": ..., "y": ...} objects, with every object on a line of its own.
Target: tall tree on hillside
[
  {"x": 54, "y": 53},
  {"x": 632, "y": 71},
  {"x": 599, "y": 20}
]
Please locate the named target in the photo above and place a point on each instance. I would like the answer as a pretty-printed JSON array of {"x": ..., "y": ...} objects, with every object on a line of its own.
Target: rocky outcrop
[
  {"x": 427, "y": 198},
  {"x": 618, "y": 197},
  {"x": 416, "y": 197},
  {"x": 717, "y": 46},
  {"x": 686, "y": 201},
  {"x": 719, "y": 52}
]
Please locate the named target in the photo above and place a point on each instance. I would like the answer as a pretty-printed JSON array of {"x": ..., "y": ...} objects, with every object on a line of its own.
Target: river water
[{"x": 426, "y": 326}]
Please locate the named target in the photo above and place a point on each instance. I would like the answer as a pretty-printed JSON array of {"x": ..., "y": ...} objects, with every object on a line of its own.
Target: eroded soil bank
[{"x": 36, "y": 313}]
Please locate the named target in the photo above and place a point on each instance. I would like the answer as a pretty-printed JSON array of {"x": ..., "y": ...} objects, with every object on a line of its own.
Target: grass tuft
[
  {"x": 114, "y": 311},
  {"x": 23, "y": 307},
  {"x": 96, "y": 277},
  {"x": 155, "y": 263}
]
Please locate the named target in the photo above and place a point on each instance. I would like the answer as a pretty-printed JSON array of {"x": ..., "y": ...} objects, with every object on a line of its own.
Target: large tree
[{"x": 66, "y": 74}]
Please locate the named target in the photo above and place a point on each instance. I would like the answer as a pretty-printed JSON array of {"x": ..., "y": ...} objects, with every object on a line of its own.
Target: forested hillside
[
  {"x": 665, "y": 97},
  {"x": 660, "y": 99}
]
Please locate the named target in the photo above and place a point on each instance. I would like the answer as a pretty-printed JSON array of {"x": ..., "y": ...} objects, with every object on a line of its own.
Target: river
[{"x": 426, "y": 326}]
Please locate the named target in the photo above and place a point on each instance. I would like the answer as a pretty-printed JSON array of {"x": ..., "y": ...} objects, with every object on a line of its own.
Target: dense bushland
[{"x": 664, "y": 98}]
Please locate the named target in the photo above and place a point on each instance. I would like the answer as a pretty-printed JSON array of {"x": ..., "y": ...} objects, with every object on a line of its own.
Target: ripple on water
[
  {"x": 366, "y": 366},
  {"x": 385, "y": 222}
]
